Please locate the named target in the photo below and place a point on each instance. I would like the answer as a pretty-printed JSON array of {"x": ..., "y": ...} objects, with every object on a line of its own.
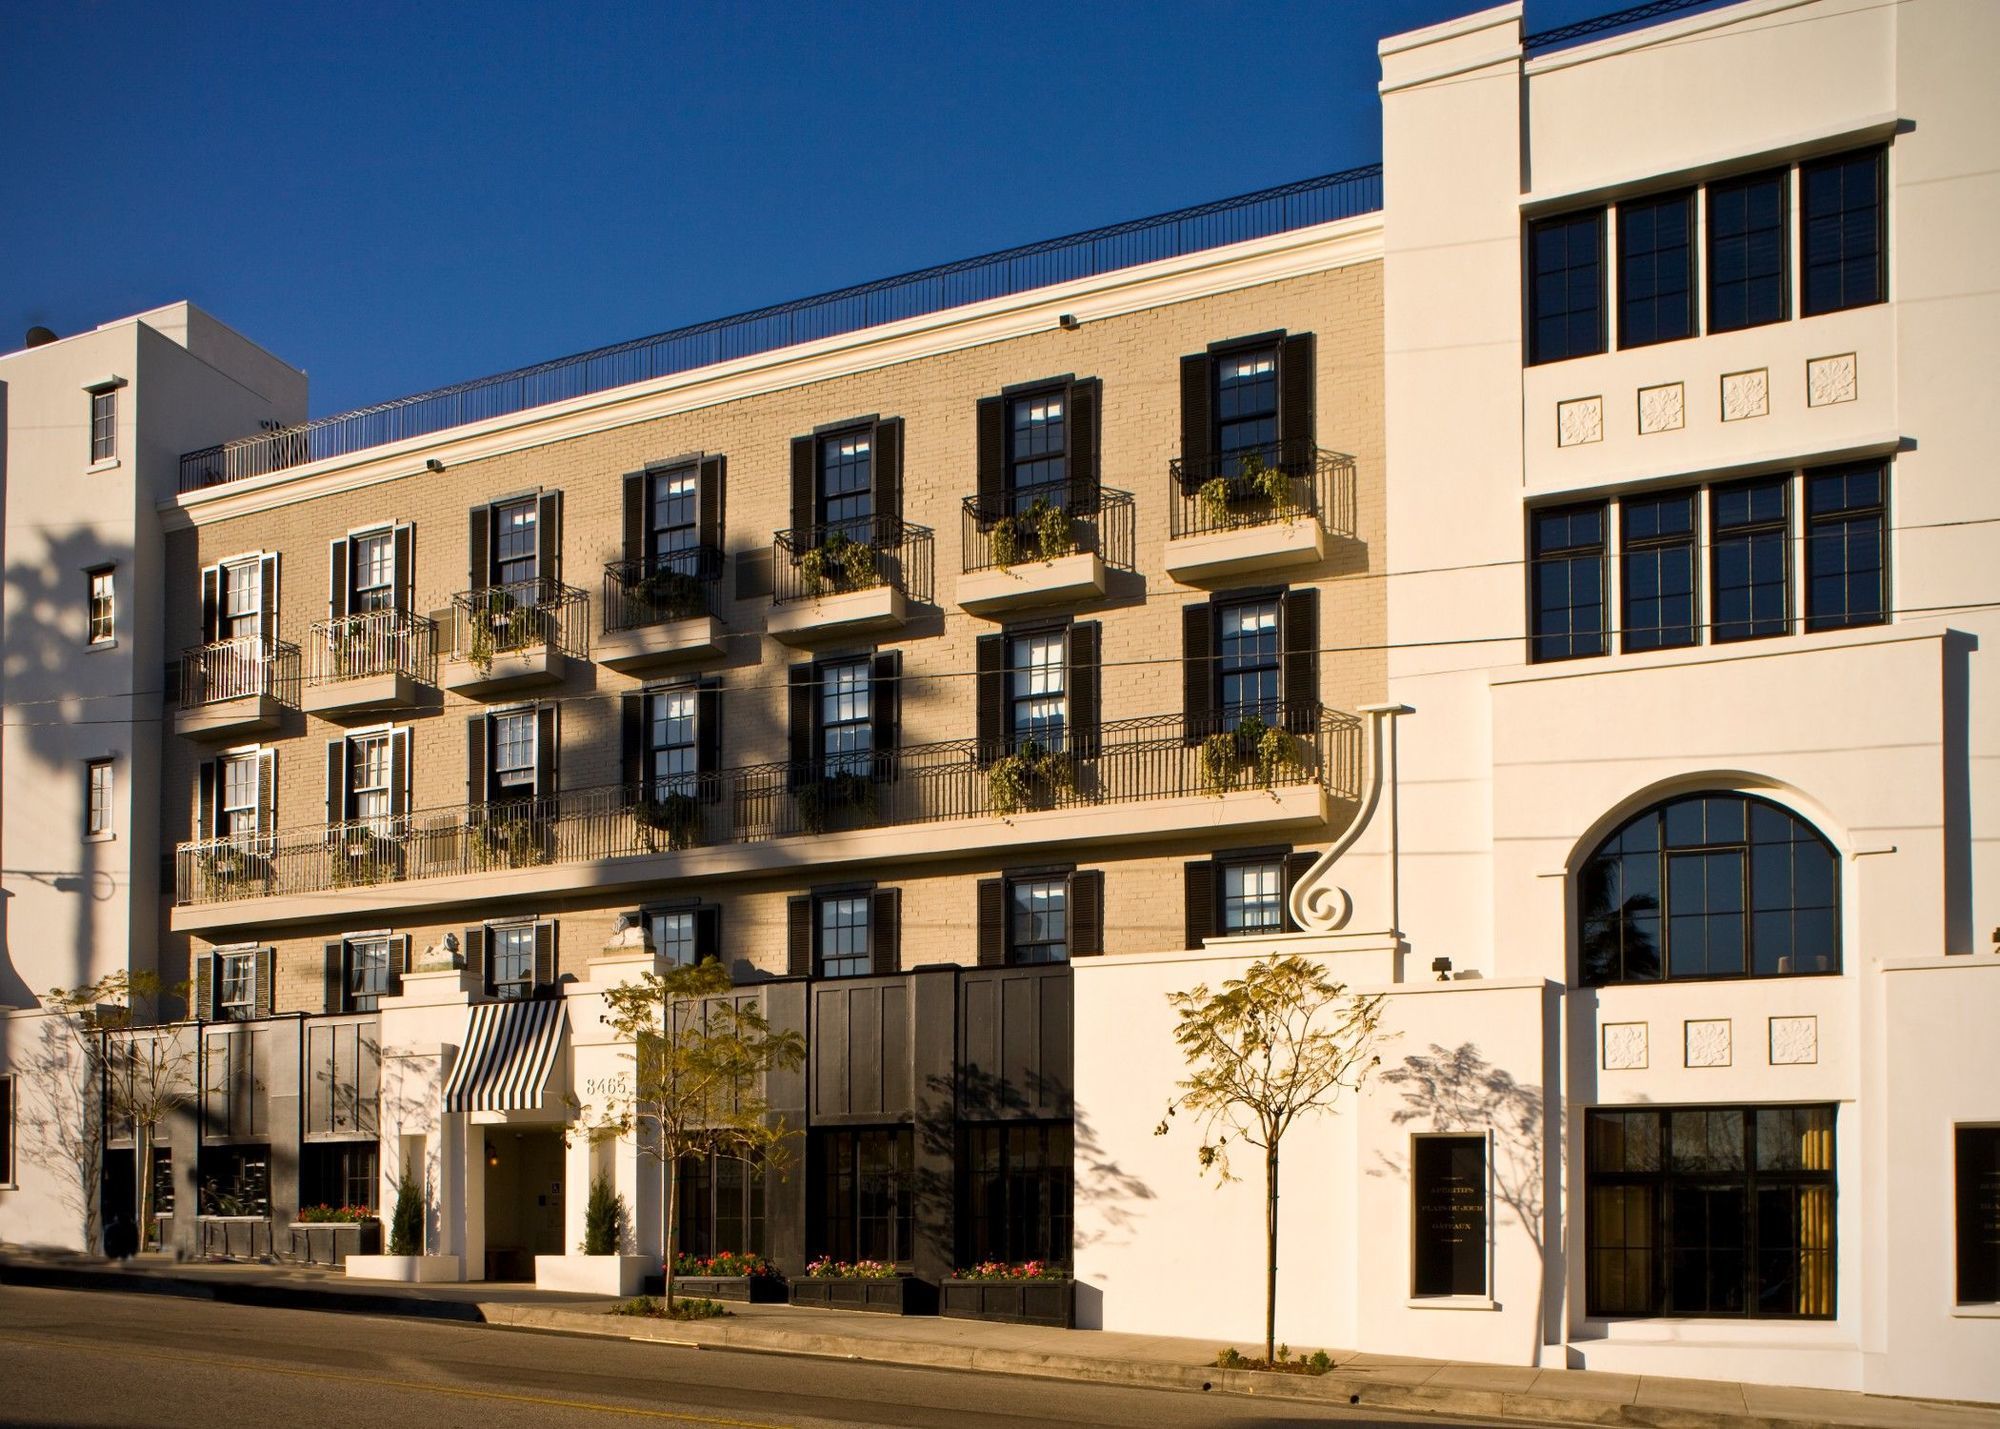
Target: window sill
[
  {"x": 1451, "y": 1302},
  {"x": 100, "y": 838},
  {"x": 1976, "y": 1312},
  {"x": 110, "y": 463},
  {"x": 95, "y": 645}
]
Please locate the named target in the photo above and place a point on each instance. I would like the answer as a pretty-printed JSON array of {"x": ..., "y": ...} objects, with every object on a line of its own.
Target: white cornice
[{"x": 1127, "y": 290}]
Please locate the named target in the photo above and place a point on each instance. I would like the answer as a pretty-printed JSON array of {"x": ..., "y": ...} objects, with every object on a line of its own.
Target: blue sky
[{"x": 397, "y": 196}]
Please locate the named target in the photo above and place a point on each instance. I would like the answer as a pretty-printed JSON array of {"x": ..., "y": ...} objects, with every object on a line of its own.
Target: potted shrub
[
  {"x": 677, "y": 816},
  {"x": 1033, "y": 1292},
  {"x": 405, "y": 1260},
  {"x": 820, "y": 799},
  {"x": 669, "y": 594},
  {"x": 602, "y": 1265},
  {"x": 1254, "y": 754},
  {"x": 1223, "y": 498},
  {"x": 327, "y": 1235},
  {"x": 871, "y": 1285},
  {"x": 1028, "y": 778},
  {"x": 732, "y": 1275},
  {"x": 837, "y": 565}
]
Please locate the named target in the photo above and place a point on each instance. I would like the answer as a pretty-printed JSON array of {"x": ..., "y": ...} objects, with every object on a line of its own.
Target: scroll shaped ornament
[{"x": 1318, "y": 904}]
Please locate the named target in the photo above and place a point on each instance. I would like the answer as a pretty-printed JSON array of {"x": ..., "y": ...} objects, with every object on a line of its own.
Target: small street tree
[
  {"x": 699, "y": 1058},
  {"x": 1267, "y": 1049}
]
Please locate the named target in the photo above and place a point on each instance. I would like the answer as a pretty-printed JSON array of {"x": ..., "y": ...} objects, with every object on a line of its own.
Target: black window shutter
[
  {"x": 545, "y": 752},
  {"x": 885, "y": 931},
  {"x": 992, "y": 455},
  {"x": 475, "y": 955},
  {"x": 799, "y": 935},
  {"x": 805, "y": 452},
  {"x": 1296, "y": 864},
  {"x": 990, "y": 695},
  {"x": 636, "y": 483},
  {"x": 548, "y": 538},
  {"x": 1197, "y": 671},
  {"x": 211, "y": 605},
  {"x": 708, "y": 739},
  {"x": 336, "y": 781},
  {"x": 1296, "y": 424},
  {"x": 475, "y": 760},
  {"x": 399, "y": 963},
  {"x": 1299, "y": 633},
  {"x": 1197, "y": 421},
  {"x": 399, "y": 773},
  {"x": 803, "y": 693},
  {"x": 545, "y": 955},
  {"x": 203, "y": 1009},
  {"x": 336, "y": 976},
  {"x": 1085, "y": 702},
  {"x": 479, "y": 554},
  {"x": 709, "y": 495},
  {"x": 1080, "y": 425},
  {"x": 884, "y": 702},
  {"x": 707, "y": 934},
  {"x": 336, "y": 578},
  {"x": 267, "y": 791},
  {"x": 262, "y": 963},
  {"x": 887, "y": 465},
  {"x": 1199, "y": 880},
  {"x": 402, "y": 546},
  {"x": 992, "y": 922},
  {"x": 205, "y": 802},
  {"x": 267, "y": 603},
  {"x": 1086, "y": 913},
  {"x": 632, "y": 738}
]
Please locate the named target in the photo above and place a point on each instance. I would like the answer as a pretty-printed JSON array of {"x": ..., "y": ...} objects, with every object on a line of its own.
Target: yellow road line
[{"x": 343, "y": 1377}]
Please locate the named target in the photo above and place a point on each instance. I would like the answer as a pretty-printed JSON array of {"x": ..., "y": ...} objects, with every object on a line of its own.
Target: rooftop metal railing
[{"x": 1631, "y": 17}]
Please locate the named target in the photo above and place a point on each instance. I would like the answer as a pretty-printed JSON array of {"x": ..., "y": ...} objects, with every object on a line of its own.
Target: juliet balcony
[
  {"x": 1130, "y": 781},
  {"x": 517, "y": 636},
  {"x": 234, "y": 687},
  {"x": 1243, "y": 515},
  {"x": 661, "y": 611},
  {"x": 1042, "y": 545},
  {"x": 369, "y": 663},
  {"x": 849, "y": 578}
]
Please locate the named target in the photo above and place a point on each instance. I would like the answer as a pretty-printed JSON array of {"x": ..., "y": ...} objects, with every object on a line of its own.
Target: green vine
[
  {"x": 819, "y": 799},
  {"x": 485, "y": 609},
  {"x": 678, "y": 816},
  {"x": 503, "y": 843},
  {"x": 1254, "y": 754},
  {"x": 839, "y": 564},
  {"x": 1028, "y": 777},
  {"x": 1253, "y": 480},
  {"x": 1041, "y": 533},
  {"x": 669, "y": 594}
]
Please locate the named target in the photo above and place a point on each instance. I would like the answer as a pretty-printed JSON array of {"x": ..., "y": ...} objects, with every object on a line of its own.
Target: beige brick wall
[{"x": 1137, "y": 359}]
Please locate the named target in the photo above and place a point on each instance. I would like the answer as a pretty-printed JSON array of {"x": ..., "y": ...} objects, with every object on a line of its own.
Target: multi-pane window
[
  {"x": 1253, "y": 897},
  {"x": 238, "y": 780},
  {"x": 1707, "y": 886},
  {"x": 863, "y": 1194},
  {"x": 1249, "y": 667},
  {"x": 1038, "y": 920},
  {"x": 516, "y": 542},
  {"x": 372, "y": 559},
  {"x": 721, "y": 1206},
  {"x": 103, "y": 607},
  {"x": 1751, "y": 525},
  {"x": 671, "y": 756},
  {"x": 1845, "y": 570},
  {"x": 339, "y": 1173},
  {"x": 104, "y": 424},
  {"x": 846, "y": 718},
  {"x": 674, "y": 936},
  {"x": 513, "y": 744},
  {"x": 367, "y": 973},
  {"x": 1566, "y": 286},
  {"x": 235, "y": 1181},
  {"x": 368, "y": 775},
  {"x": 1037, "y": 443},
  {"x": 236, "y": 985},
  {"x": 1976, "y": 1173},
  {"x": 1746, "y": 251},
  {"x": 1841, "y": 236},
  {"x": 843, "y": 936},
  {"x": 1036, "y": 694},
  {"x": 846, "y": 483},
  {"x": 1725, "y": 1211},
  {"x": 1656, "y": 269},
  {"x": 1568, "y": 582},
  {"x": 242, "y": 600},
  {"x": 97, "y": 797},
  {"x": 673, "y": 515},
  {"x": 1246, "y": 405},
  {"x": 1658, "y": 559},
  {"x": 1018, "y": 1193},
  {"x": 510, "y": 961}
]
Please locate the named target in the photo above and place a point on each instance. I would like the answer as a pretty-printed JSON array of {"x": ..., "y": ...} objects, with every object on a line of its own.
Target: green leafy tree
[
  {"x": 1267, "y": 1049},
  {"x": 700, "y": 1055}
]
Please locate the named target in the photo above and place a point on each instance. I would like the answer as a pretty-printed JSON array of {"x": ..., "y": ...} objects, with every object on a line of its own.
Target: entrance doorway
[{"x": 524, "y": 1200}]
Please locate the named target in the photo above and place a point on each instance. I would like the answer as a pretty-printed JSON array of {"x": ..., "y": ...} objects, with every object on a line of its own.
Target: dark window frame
[
  {"x": 839, "y": 1218},
  {"x": 9, "y": 1115},
  {"x": 1028, "y": 1160},
  {"x": 104, "y": 424},
  {"x": 1422, "y": 1263},
  {"x": 251, "y": 1172},
  {"x": 1750, "y": 531},
  {"x": 863, "y": 894},
  {"x": 1568, "y": 556},
  {"x": 1020, "y": 494},
  {"x": 857, "y": 527},
  {"x": 99, "y": 812},
  {"x": 1014, "y": 673},
  {"x": 497, "y": 562},
  {"x": 1690, "y": 290},
  {"x": 1017, "y": 946},
  {"x": 353, "y": 1166},
  {"x": 1271, "y": 711},
  {"x": 496, "y": 989},
  {"x": 355, "y": 995},
  {"x": 1808, "y": 171},
  {"x": 1656, "y": 546},
  {"x": 1531, "y": 288},
  {"x": 101, "y": 614},
  {"x": 687, "y": 781},
  {"x": 1975, "y": 1283},
  {"x": 701, "y": 1196},
  {"x": 1261, "y": 859},
  {"x": 1229, "y": 457},
  {"x": 1847, "y": 516},
  {"x": 1782, "y": 177}
]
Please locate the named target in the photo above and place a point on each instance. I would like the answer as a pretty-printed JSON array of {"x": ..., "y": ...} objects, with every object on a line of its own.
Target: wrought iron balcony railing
[
  {"x": 1287, "y": 481},
  {"x": 1045, "y": 521},
  {"x": 1127, "y": 761},
  {"x": 813, "y": 561},
  {"x": 677, "y": 586},
  {"x": 519, "y": 616},
  {"x": 230, "y": 669},
  {"x": 376, "y": 642}
]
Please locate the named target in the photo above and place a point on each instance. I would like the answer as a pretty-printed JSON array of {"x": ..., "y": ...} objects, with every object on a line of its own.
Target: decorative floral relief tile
[
  {"x": 1746, "y": 394},
  {"x": 1794, "y": 1041},
  {"x": 1624, "y": 1046},
  {"x": 1662, "y": 408},
  {"x": 1579, "y": 421},
  {"x": 1830, "y": 380},
  {"x": 1708, "y": 1043}
]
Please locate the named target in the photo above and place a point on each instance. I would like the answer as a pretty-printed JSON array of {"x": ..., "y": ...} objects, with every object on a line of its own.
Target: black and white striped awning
[{"x": 504, "y": 1063}]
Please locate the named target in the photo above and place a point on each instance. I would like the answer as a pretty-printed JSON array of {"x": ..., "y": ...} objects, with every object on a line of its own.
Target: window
[
  {"x": 367, "y": 973},
  {"x": 372, "y": 566},
  {"x": 1746, "y": 251},
  {"x": 239, "y": 795},
  {"x": 1566, "y": 286},
  {"x": 1752, "y": 527},
  {"x": 513, "y": 744},
  {"x": 1977, "y": 1176},
  {"x": 1567, "y": 582},
  {"x": 368, "y": 776},
  {"x": 674, "y": 937},
  {"x": 1037, "y": 444},
  {"x": 673, "y": 513},
  {"x": 843, "y": 936},
  {"x": 1841, "y": 233},
  {"x": 242, "y": 601},
  {"x": 1845, "y": 572},
  {"x": 1249, "y": 667},
  {"x": 1710, "y": 1211},
  {"x": 1709, "y": 885},
  {"x": 104, "y": 425},
  {"x": 1038, "y": 920},
  {"x": 863, "y": 1194},
  {"x": 1656, "y": 269},
  {"x": 1253, "y": 897},
  {"x": 1017, "y": 1193},
  {"x": 103, "y": 626},
  {"x": 235, "y": 1181},
  {"x": 672, "y": 760},
  {"x": 510, "y": 961},
  {"x": 1246, "y": 406},
  {"x": 516, "y": 542},
  {"x": 1448, "y": 1206},
  {"x": 846, "y": 718},
  {"x": 1658, "y": 560},
  {"x": 6, "y": 1131},
  {"x": 236, "y": 986},
  {"x": 97, "y": 798},
  {"x": 339, "y": 1173},
  {"x": 721, "y": 1206},
  {"x": 163, "y": 1181},
  {"x": 1038, "y": 709},
  {"x": 846, "y": 484}
]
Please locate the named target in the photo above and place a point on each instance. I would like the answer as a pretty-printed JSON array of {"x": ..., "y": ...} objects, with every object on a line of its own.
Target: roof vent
[{"x": 39, "y": 336}]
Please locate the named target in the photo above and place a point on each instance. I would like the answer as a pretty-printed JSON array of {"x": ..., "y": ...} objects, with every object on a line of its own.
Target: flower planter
[
  {"x": 410, "y": 1269},
  {"x": 331, "y": 1242},
  {"x": 622, "y": 1275},
  {"x": 1012, "y": 1302},
  {"x": 234, "y": 1238},
  {"x": 744, "y": 1289},
  {"x": 893, "y": 1295}
]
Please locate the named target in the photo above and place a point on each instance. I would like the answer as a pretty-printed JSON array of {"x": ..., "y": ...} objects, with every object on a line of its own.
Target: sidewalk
[{"x": 1152, "y": 1361}]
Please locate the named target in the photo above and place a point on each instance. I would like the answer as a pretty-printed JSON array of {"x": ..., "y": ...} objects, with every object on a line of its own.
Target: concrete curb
[{"x": 266, "y": 1297}]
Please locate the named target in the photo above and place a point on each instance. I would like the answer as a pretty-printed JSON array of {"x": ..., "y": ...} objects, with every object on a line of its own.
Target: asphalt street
[{"x": 98, "y": 1358}]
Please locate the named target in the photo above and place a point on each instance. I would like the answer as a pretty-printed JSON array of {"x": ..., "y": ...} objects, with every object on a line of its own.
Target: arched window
[{"x": 1709, "y": 886}]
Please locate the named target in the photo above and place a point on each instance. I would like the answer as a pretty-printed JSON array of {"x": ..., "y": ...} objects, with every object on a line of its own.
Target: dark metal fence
[
  {"x": 247, "y": 665},
  {"x": 1042, "y": 522},
  {"x": 677, "y": 586},
  {"x": 815, "y": 561},
  {"x": 970, "y": 280},
  {"x": 1227, "y": 494},
  {"x": 376, "y": 642},
  {"x": 1630, "y": 18},
  {"x": 518, "y": 616}
]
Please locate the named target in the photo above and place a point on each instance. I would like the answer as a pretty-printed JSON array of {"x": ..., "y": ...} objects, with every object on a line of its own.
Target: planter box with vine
[
  {"x": 1254, "y": 755},
  {"x": 668, "y": 824},
  {"x": 1010, "y": 1302},
  {"x": 474, "y": 672},
  {"x": 839, "y": 614},
  {"x": 885, "y": 1295},
  {"x": 332, "y": 1242},
  {"x": 1028, "y": 779},
  {"x": 1060, "y": 580},
  {"x": 834, "y": 802}
]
